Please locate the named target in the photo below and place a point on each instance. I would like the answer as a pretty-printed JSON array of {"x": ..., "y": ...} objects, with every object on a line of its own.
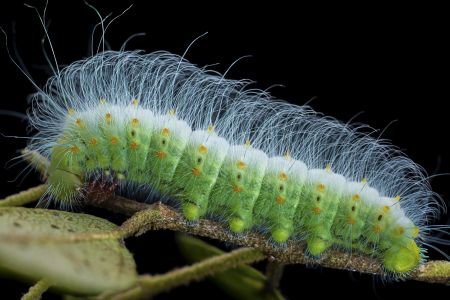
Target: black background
[{"x": 389, "y": 63}]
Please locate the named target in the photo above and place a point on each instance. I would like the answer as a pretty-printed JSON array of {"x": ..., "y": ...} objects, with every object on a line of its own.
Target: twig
[
  {"x": 159, "y": 216},
  {"x": 35, "y": 292},
  {"x": 153, "y": 285},
  {"x": 24, "y": 197},
  {"x": 274, "y": 272}
]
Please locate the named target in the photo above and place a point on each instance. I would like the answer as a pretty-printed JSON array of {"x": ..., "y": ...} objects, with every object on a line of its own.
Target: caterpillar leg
[
  {"x": 402, "y": 258},
  {"x": 281, "y": 234},
  {"x": 316, "y": 246}
]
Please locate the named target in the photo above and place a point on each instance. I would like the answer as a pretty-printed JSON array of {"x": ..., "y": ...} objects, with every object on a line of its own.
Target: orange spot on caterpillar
[
  {"x": 196, "y": 172},
  {"x": 134, "y": 146},
  {"x": 74, "y": 149},
  {"x": 202, "y": 149},
  {"x": 237, "y": 189},
  {"x": 165, "y": 132},
  {"x": 399, "y": 230},
  {"x": 356, "y": 197},
  {"x": 351, "y": 221},
  {"x": 283, "y": 176},
  {"x": 377, "y": 229},
  {"x": 135, "y": 122},
  {"x": 241, "y": 165},
  {"x": 93, "y": 141},
  {"x": 79, "y": 122},
  {"x": 108, "y": 117},
  {"x": 321, "y": 187},
  {"x": 280, "y": 199},
  {"x": 386, "y": 208},
  {"x": 161, "y": 154},
  {"x": 114, "y": 140},
  {"x": 317, "y": 210}
]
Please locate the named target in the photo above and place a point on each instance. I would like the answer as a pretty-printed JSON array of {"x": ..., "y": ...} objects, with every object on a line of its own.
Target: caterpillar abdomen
[{"x": 240, "y": 183}]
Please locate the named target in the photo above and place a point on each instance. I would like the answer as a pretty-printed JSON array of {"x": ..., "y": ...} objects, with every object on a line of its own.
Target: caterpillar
[{"x": 218, "y": 149}]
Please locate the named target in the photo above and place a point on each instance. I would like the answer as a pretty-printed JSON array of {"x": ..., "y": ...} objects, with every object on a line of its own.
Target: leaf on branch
[{"x": 34, "y": 245}]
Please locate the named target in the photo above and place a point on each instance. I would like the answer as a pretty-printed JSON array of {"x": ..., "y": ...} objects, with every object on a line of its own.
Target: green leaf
[
  {"x": 34, "y": 245},
  {"x": 243, "y": 282}
]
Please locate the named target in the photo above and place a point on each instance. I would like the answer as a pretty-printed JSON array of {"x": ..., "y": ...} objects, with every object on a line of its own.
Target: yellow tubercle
[
  {"x": 356, "y": 197},
  {"x": 71, "y": 111},
  {"x": 321, "y": 187},
  {"x": 280, "y": 200},
  {"x": 283, "y": 176},
  {"x": 415, "y": 232},
  {"x": 241, "y": 165},
  {"x": 196, "y": 172},
  {"x": 165, "y": 131},
  {"x": 108, "y": 117},
  {"x": 203, "y": 149},
  {"x": 135, "y": 102},
  {"x": 287, "y": 156},
  {"x": 135, "y": 122},
  {"x": 74, "y": 149}
]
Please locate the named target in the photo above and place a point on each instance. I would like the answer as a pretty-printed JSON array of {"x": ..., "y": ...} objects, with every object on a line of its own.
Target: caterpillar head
[{"x": 63, "y": 181}]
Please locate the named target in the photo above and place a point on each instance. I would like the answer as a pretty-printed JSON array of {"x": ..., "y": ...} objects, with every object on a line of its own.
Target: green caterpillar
[
  {"x": 221, "y": 150},
  {"x": 208, "y": 176}
]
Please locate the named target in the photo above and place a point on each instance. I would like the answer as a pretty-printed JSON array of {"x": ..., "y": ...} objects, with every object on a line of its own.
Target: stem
[
  {"x": 274, "y": 272},
  {"x": 35, "y": 292},
  {"x": 24, "y": 197},
  {"x": 159, "y": 216},
  {"x": 152, "y": 285}
]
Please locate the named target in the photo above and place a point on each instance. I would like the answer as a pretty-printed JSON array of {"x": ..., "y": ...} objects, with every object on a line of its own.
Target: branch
[
  {"x": 24, "y": 197},
  {"x": 158, "y": 216},
  {"x": 149, "y": 286},
  {"x": 35, "y": 292}
]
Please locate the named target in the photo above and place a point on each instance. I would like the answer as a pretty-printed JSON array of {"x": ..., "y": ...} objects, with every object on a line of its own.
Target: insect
[{"x": 221, "y": 150}]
